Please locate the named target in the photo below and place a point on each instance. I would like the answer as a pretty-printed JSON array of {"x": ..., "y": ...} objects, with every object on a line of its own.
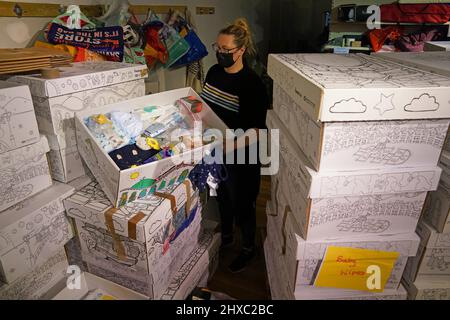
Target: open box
[
  {"x": 339, "y": 204},
  {"x": 125, "y": 186},
  {"x": 358, "y": 87},
  {"x": 361, "y": 144},
  {"x": 428, "y": 288}
]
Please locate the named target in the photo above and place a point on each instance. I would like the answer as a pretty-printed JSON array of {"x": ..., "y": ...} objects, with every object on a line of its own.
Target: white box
[
  {"x": 144, "y": 229},
  {"x": 23, "y": 173},
  {"x": 17, "y": 119},
  {"x": 119, "y": 185},
  {"x": 303, "y": 258},
  {"x": 337, "y": 204},
  {"x": 437, "y": 210},
  {"x": 428, "y": 288},
  {"x": 437, "y": 46},
  {"x": 200, "y": 264},
  {"x": 39, "y": 281},
  {"x": 361, "y": 145},
  {"x": 354, "y": 87},
  {"x": 437, "y": 62},
  {"x": 32, "y": 231},
  {"x": 315, "y": 293},
  {"x": 55, "y": 115},
  {"x": 89, "y": 283},
  {"x": 66, "y": 164},
  {"x": 81, "y": 182},
  {"x": 433, "y": 257}
]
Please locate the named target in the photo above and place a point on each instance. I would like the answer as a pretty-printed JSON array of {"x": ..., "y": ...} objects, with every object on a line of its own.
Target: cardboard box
[
  {"x": 437, "y": 46},
  {"x": 437, "y": 62},
  {"x": 437, "y": 211},
  {"x": 315, "y": 293},
  {"x": 433, "y": 257},
  {"x": 23, "y": 173},
  {"x": 361, "y": 145},
  {"x": 120, "y": 185},
  {"x": 17, "y": 118},
  {"x": 355, "y": 87},
  {"x": 55, "y": 115},
  {"x": 337, "y": 204},
  {"x": 90, "y": 283},
  {"x": 149, "y": 250},
  {"x": 428, "y": 288},
  {"x": 66, "y": 164},
  {"x": 73, "y": 252},
  {"x": 201, "y": 264},
  {"x": 81, "y": 182},
  {"x": 39, "y": 281},
  {"x": 32, "y": 231},
  {"x": 303, "y": 258}
]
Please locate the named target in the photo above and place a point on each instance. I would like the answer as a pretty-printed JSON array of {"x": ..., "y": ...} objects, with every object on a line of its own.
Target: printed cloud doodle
[
  {"x": 348, "y": 106},
  {"x": 423, "y": 103}
]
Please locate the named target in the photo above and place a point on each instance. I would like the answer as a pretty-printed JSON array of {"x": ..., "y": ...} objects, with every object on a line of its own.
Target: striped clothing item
[{"x": 220, "y": 98}]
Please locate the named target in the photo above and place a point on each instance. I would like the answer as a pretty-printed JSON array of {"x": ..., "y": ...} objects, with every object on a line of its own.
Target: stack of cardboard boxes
[
  {"x": 360, "y": 140},
  {"x": 142, "y": 228},
  {"x": 154, "y": 241},
  {"x": 33, "y": 225},
  {"x": 427, "y": 275}
]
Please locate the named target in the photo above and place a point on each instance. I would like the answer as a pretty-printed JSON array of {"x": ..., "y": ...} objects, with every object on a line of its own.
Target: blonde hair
[{"x": 242, "y": 35}]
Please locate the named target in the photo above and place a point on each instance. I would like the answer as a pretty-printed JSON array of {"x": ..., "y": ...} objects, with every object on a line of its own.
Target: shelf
[
  {"x": 330, "y": 47},
  {"x": 389, "y": 23}
]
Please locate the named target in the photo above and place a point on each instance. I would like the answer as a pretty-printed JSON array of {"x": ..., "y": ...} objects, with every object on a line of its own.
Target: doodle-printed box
[
  {"x": 39, "y": 281},
  {"x": 23, "y": 173},
  {"x": 361, "y": 144},
  {"x": 18, "y": 126},
  {"x": 359, "y": 87},
  {"x": 123, "y": 186},
  {"x": 303, "y": 258},
  {"x": 281, "y": 289},
  {"x": 32, "y": 231},
  {"x": 428, "y": 288},
  {"x": 339, "y": 204},
  {"x": 433, "y": 256},
  {"x": 141, "y": 240},
  {"x": 437, "y": 62}
]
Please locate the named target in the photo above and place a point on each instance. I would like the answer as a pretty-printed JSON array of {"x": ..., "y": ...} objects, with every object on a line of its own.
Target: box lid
[
  {"x": 432, "y": 282},
  {"x": 355, "y": 87},
  {"x": 313, "y": 293},
  {"x": 435, "y": 61},
  {"x": 346, "y": 183},
  {"x": 91, "y": 205},
  {"x": 24, "y": 154},
  {"x": 49, "y": 199},
  {"x": 430, "y": 238},
  {"x": 406, "y": 244},
  {"x": 82, "y": 76}
]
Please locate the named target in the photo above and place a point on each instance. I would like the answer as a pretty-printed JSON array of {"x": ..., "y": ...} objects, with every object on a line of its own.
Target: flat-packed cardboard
[
  {"x": 359, "y": 87},
  {"x": 428, "y": 288},
  {"x": 39, "y": 281},
  {"x": 32, "y": 231},
  {"x": 17, "y": 119},
  {"x": 23, "y": 173},
  {"x": 201, "y": 264},
  {"x": 362, "y": 144},
  {"x": 66, "y": 164},
  {"x": 437, "y": 62},
  {"x": 89, "y": 283},
  {"x": 120, "y": 185},
  {"x": 433, "y": 257},
  {"x": 303, "y": 258},
  {"x": 340, "y": 204},
  {"x": 437, "y": 46},
  {"x": 147, "y": 240}
]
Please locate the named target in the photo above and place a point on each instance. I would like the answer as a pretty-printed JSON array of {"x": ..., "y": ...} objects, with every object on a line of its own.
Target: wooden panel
[{"x": 53, "y": 10}]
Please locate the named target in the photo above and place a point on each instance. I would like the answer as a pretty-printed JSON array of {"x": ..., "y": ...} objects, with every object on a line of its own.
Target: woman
[{"x": 238, "y": 96}]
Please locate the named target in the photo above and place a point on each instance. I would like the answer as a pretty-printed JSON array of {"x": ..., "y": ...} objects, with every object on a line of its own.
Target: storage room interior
[{"x": 112, "y": 110}]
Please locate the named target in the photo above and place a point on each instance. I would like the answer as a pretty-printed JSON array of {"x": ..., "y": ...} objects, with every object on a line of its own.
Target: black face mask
[{"x": 225, "y": 60}]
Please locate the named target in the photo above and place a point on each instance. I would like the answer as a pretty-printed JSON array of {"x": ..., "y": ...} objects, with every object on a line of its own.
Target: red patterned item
[{"x": 415, "y": 13}]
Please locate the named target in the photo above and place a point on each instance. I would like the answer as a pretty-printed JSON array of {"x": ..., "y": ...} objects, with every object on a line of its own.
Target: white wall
[{"x": 20, "y": 30}]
